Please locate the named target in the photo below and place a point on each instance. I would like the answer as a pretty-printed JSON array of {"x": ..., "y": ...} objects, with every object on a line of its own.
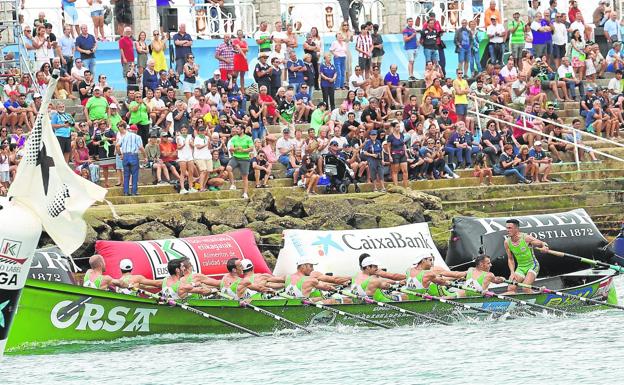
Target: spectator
[
  {"x": 373, "y": 151},
  {"x": 296, "y": 68},
  {"x": 357, "y": 81},
  {"x": 577, "y": 54},
  {"x": 515, "y": 28},
  {"x": 475, "y": 57},
  {"x": 509, "y": 166},
  {"x": 202, "y": 157},
  {"x": 304, "y": 104},
  {"x": 601, "y": 13},
  {"x": 225, "y": 56},
  {"x": 126, "y": 49},
  {"x": 191, "y": 71},
  {"x": 410, "y": 45},
  {"x": 496, "y": 33},
  {"x": 566, "y": 73},
  {"x": 328, "y": 80},
  {"x": 64, "y": 88},
  {"x": 460, "y": 86},
  {"x": 242, "y": 146},
  {"x": 397, "y": 89},
  {"x": 339, "y": 49},
  {"x": 184, "y": 142},
  {"x": 183, "y": 43},
  {"x": 86, "y": 44},
  {"x": 429, "y": 40},
  {"x": 96, "y": 107},
  {"x": 158, "y": 52},
  {"x": 615, "y": 58},
  {"x": 491, "y": 12},
  {"x": 82, "y": 160},
  {"x": 308, "y": 174},
  {"x": 559, "y": 39},
  {"x": 543, "y": 164},
  {"x": 262, "y": 72},
  {"x": 97, "y": 16},
  {"x": 150, "y": 77},
  {"x": 263, "y": 38},
  {"x": 286, "y": 108},
  {"x": 364, "y": 48},
  {"x": 268, "y": 105},
  {"x": 482, "y": 170},
  {"x": 378, "y": 50},
  {"x": 463, "y": 43},
  {"x": 395, "y": 147},
  {"x": 62, "y": 122},
  {"x": 129, "y": 147},
  {"x": 67, "y": 45},
  {"x": 154, "y": 161},
  {"x": 284, "y": 147},
  {"x": 241, "y": 65},
  {"x": 261, "y": 168},
  {"x": 312, "y": 50},
  {"x": 139, "y": 117},
  {"x": 492, "y": 142},
  {"x": 142, "y": 51}
]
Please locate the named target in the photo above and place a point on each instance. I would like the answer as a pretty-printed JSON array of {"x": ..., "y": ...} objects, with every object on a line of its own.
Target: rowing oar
[
  {"x": 561, "y": 294},
  {"x": 395, "y": 308},
  {"x": 588, "y": 261},
  {"x": 450, "y": 302},
  {"x": 196, "y": 311},
  {"x": 307, "y": 301},
  {"x": 488, "y": 293},
  {"x": 267, "y": 313}
]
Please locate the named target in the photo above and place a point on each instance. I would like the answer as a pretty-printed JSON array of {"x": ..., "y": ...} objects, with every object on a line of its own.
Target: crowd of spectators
[{"x": 383, "y": 130}]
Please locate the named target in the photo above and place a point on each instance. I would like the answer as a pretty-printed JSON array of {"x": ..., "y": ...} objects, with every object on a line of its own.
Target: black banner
[
  {"x": 50, "y": 264},
  {"x": 573, "y": 232},
  {"x": 8, "y": 306}
]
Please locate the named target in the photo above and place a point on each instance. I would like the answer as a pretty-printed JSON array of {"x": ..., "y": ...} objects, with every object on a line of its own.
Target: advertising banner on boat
[
  {"x": 208, "y": 254},
  {"x": 572, "y": 232},
  {"x": 51, "y": 264},
  {"x": 337, "y": 252}
]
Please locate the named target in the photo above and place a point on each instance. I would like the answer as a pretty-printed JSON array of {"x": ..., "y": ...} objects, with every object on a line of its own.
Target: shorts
[
  {"x": 461, "y": 109},
  {"x": 118, "y": 163},
  {"x": 97, "y": 13},
  {"x": 71, "y": 15},
  {"x": 188, "y": 87},
  {"x": 364, "y": 63},
  {"x": 432, "y": 55},
  {"x": 204, "y": 164},
  {"x": 559, "y": 51},
  {"x": 376, "y": 169},
  {"x": 399, "y": 158},
  {"x": 516, "y": 50},
  {"x": 185, "y": 158},
  {"x": 463, "y": 55},
  {"x": 525, "y": 270},
  {"x": 65, "y": 144},
  {"x": 540, "y": 50},
  {"x": 241, "y": 164},
  {"x": 173, "y": 164},
  {"x": 411, "y": 54},
  {"x": 5, "y": 176},
  {"x": 224, "y": 73}
]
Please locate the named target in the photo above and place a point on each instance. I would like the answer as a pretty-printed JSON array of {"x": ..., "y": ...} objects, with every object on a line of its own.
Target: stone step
[
  {"x": 537, "y": 202},
  {"x": 610, "y": 211}
]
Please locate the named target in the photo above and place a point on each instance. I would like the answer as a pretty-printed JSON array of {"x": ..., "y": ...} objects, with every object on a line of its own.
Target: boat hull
[{"x": 52, "y": 312}]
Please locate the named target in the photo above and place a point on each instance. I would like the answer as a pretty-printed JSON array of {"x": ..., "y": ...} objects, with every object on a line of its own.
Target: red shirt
[
  {"x": 268, "y": 99},
  {"x": 126, "y": 45},
  {"x": 167, "y": 146}
]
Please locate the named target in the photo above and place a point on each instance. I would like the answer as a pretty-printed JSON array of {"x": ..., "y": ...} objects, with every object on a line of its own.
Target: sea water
[{"x": 582, "y": 349}]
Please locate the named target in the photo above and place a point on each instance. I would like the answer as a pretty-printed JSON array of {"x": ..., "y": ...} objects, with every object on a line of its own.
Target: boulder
[
  {"x": 265, "y": 227},
  {"x": 288, "y": 204},
  {"x": 435, "y": 216},
  {"x": 261, "y": 200},
  {"x": 178, "y": 219},
  {"x": 88, "y": 246},
  {"x": 220, "y": 229},
  {"x": 401, "y": 205},
  {"x": 252, "y": 214},
  {"x": 428, "y": 201},
  {"x": 194, "y": 229},
  {"x": 270, "y": 259},
  {"x": 272, "y": 239},
  {"x": 130, "y": 221},
  {"x": 126, "y": 235},
  {"x": 232, "y": 216},
  {"x": 102, "y": 229},
  {"x": 153, "y": 230},
  {"x": 390, "y": 219},
  {"x": 286, "y": 222},
  {"x": 364, "y": 221}
]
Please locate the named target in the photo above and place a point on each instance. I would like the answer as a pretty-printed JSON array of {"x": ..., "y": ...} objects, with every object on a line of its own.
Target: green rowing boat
[{"x": 51, "y": 313}]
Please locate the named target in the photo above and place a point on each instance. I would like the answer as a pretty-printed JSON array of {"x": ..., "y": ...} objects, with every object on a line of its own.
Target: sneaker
[
  {"x": 162, "y": 182},
  {"x": 233, "y": 187},
  {"x": 212, "y": 188},
  {"x": 192, "y": 190},
  {"x": 245, "y": 196},
  {"x": 455, "y": 176},
  {"x": 412, "y": 78},
  {"x": 184, "y": 191},
  {"x": 447, "y": 176}
]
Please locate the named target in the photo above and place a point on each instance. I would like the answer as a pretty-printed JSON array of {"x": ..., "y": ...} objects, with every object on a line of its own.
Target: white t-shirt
[
  {"x": 342, "y": 141},
  {"x": 336, "y": 115},
  {"x": 78, "y": 73},
  {"x": 357, "y": 79},
  {"x": 204, "y": 152},
  {"x": 185, "y": 153},
  {"x": 494, "y": 29},
  {"x": 213, "y": 99},
  {"x": 560, "y": 34},
  {"x": 563, "y": 71},
  {"x": 578, "y": 26},
  {"x": 192, "y": 102},
  {"x": 518, "y": 85},
  {"x": 281, "y": 35},
  {"x": 506, "y": 72},
  {"x": 284, "y": 144},
  {"x": 615, "y": 86}
]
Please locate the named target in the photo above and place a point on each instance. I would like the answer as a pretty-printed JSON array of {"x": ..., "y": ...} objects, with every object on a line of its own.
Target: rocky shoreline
[{"x": 268, "y": 213}]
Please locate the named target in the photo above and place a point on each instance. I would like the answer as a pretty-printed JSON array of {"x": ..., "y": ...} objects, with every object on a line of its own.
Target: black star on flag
[{"x": 46, "y": 162}]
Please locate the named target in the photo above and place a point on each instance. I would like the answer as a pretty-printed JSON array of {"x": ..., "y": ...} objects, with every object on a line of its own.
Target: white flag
[{"x": 48, "y": 186}]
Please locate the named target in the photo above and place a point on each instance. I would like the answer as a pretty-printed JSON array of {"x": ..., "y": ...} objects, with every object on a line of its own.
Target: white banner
[{"x": 338, "y": 251}]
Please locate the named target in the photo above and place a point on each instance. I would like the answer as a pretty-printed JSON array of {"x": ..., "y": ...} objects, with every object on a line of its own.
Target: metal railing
[
  {"x": 449, "y": 13},
  {"x": 477, "y": 101},
  {"x": 208, "y": 20},
  {"x": 327, "y": 15}
]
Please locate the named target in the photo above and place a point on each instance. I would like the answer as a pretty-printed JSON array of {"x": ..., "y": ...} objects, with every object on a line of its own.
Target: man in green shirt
[
  {"x": 114, "y": 117},
  {"x": 319, "y": 117},
  {"x": 96, "y": 107},
  {"x": 139, "y": 115},
  {"x": 515, "y": 28},
  {"x": 263, "y": 38},
  {"x": 241, "y": 146},
  {"x": 523, "y": 264}
]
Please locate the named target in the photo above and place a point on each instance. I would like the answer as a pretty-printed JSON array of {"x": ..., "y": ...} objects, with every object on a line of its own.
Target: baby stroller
[{"x": 339, "y": 174}]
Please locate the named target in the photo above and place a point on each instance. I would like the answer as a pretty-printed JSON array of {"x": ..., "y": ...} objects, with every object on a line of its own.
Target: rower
[
  {"x": 518, "y": 247},
  {"x": 130, "y": 280},
  {"x": 423, "y": 277},
  {"x": 367, "y": 283},
  {"x": 198, "y": 278},
  {"x": 173, "y": 287},
  {"x": 231, "y": 280},
  {"x": 253, "y": 285},
  {"x": 302, "y": 285},
  {"x": 479, "y": 277},
  {"x": 95, "y": 278}
]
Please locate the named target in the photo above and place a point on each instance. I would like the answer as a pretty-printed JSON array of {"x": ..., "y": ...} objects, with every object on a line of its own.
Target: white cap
[
  {"x": 370, "y": 261},
  {"x": 537, "y": 143},
  {"x": 302, "y": 260},
  {"x": 246, "y": 264},
  {"x": 113, "y": 105},
  {"x": 216, "y": 72},
  {"x": 36, "y": 95},
  {"x": 125, "y": 264},
  {"x": 419, "y": 258}
]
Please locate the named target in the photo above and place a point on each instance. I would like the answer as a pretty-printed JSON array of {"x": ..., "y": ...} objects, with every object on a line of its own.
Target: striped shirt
[
  {"x": 365, "y": 43},
  {"x": 225, "y": 51},
  {"x": 130, "y": 143}
]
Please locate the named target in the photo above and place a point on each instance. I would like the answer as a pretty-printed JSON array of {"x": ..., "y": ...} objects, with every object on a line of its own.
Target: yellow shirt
[
  {"x": 463, "y": 84},
  {"x": 211, "y": 120}
]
